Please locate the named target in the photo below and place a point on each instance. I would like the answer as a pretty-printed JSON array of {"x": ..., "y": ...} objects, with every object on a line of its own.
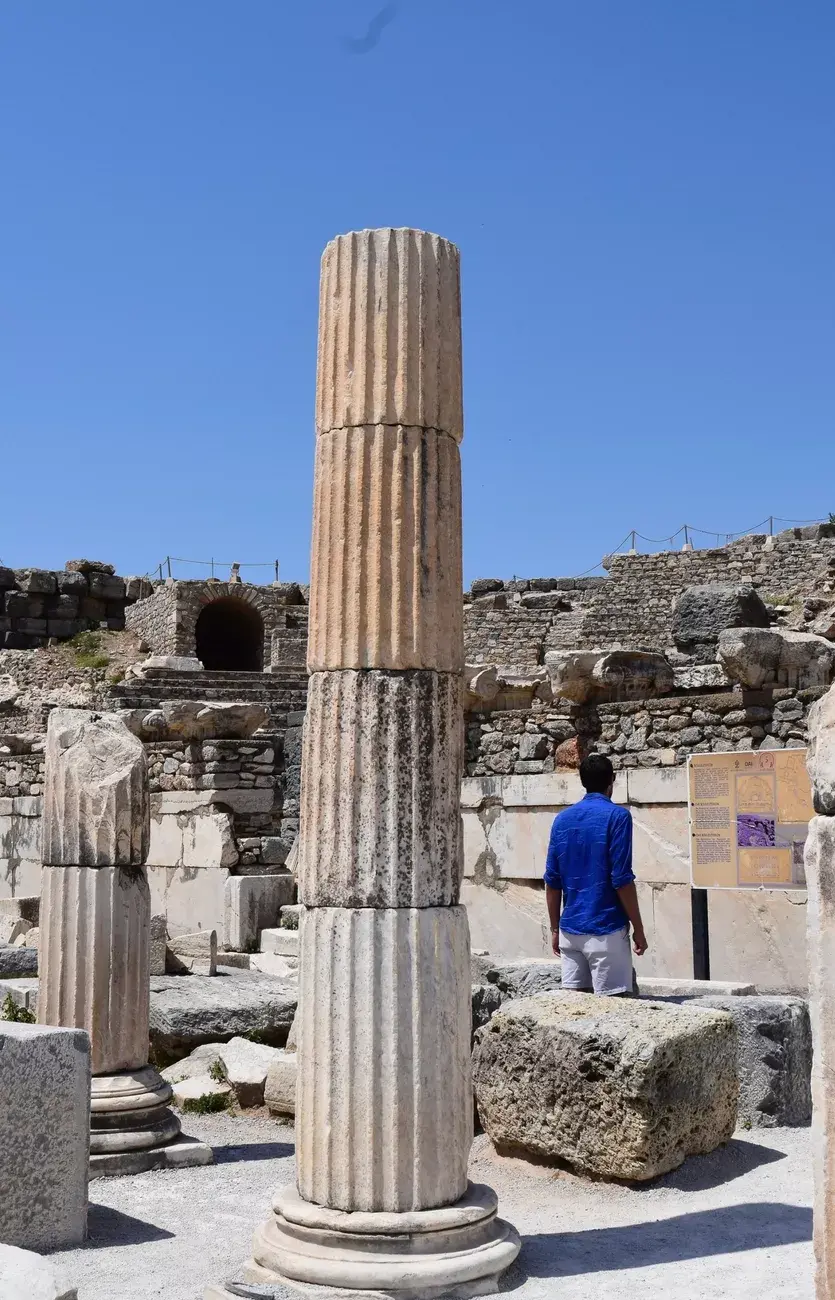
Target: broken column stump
[{"x": 95, "y": 936}]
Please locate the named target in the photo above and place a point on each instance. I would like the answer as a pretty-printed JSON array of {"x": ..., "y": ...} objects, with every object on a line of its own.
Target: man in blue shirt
[{"x": 590, "y": 888}]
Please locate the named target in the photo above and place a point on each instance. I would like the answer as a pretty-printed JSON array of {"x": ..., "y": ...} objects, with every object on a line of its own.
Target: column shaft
[
  {"x": 380, "y": 797},
  {"x": 385, "y": 1117}
]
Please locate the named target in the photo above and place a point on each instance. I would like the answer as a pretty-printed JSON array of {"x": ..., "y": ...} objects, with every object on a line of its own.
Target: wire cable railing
[{"x": 165, "y": 569}]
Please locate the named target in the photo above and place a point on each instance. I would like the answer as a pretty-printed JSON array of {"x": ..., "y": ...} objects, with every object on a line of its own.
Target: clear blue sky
[{"x": 643, "y": 192}]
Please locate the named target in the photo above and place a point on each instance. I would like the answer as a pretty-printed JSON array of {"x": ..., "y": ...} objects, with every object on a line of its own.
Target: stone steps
[{"x": 283, "y": 693}]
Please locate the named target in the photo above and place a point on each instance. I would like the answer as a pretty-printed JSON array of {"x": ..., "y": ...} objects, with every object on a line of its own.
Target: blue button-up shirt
[{"x": 589, "y": 858}]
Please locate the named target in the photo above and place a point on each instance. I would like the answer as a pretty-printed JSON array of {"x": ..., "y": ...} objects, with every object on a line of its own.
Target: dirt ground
[{"x": 736, "y": 1223}]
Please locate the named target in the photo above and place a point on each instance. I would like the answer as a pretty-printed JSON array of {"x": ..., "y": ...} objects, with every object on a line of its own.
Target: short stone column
[
  {"x": 95, "y": 936},
  {"x": 384, "y": 1119},
  {"x": 820, "y": 879}
]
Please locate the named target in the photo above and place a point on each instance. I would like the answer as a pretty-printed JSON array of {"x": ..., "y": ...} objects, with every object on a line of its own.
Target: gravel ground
[{"x": 736, "y": 1223}]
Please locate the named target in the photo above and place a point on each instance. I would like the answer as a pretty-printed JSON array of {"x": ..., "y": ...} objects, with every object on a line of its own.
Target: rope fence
[
  {"x": 689, "y": 532},
  {"x": 165, "y": 568}
]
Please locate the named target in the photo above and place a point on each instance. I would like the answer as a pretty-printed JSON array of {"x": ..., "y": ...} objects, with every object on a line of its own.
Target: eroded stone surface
[
  {"x": 96, "y": 804},
  {"x": 381, "y": 777},
  {"x": 613, "y": 1087},
  {"x": 44, "y": 1136},
  {"x": 389, "y": 332},
  {"x": 586, "y": 675},
  {"x": 26, "y": 1276},
  {"x": 700, "y": 613},
  {"x": 758, "y": 657},
  {"x": 820, "y": 877},
  {"x": 203, "y": 1009},
  {"x": 774, "y": 1058},
  {"x": 193, "y": 954},
  {"x": 820, "y": 755}
]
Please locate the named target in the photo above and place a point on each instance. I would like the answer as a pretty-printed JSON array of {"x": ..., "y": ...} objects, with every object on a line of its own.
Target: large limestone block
[
  {"x": 774, "y": 1058},
  {"x": 96, "y": 803},
  {"x": 253, "y": 904},
  {"x": 390, "y": 332},
  {"x": 614, "y": 1087},
  {"x": 280, "y": 1085},
  {"x": 701, "y": 613},
  {"x": 189, "y": 897},
  {"x": 583, "y": 676},
  {"x": 186, "y": 1013},
  {"x": 757, "y": 657},
  {"x": 94, "y": 957},
  {"x": 820, "y": 755},
  {"x": 192, "y": 954},
  {"x": 44, "y": 1136},
  {"x": 202, "y": 837},
  {"x": 384, "y": 1108},
  {"x": 820, "y": 875},
  {"x": 666, "y": 909},
  {"x": 381, "y": 773},
  {"x": 385, "y": 580}
]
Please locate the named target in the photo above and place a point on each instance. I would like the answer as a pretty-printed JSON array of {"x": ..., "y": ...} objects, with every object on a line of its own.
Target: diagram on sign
[{"x": 749, "y": 818}]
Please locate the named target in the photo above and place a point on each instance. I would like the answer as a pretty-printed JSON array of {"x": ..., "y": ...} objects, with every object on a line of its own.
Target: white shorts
[{"x": 601, "y": 963}]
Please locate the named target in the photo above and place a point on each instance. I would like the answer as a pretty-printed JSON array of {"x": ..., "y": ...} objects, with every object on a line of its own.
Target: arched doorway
[{"x": 230, "y": 636}]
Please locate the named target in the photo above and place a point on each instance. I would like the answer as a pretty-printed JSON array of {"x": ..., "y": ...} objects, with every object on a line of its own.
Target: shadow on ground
[
  {"x": 699, "y": 1173},
  {"x": 725, "y": 1230},
  {"x": 106, "y": 1227},
  {"x": 253, "y": 1151}
]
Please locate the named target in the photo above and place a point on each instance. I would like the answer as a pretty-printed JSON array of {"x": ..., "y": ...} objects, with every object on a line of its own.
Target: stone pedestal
[
  {"x": 384, "y": 1117},
  {"x": 95, "y": 937}
]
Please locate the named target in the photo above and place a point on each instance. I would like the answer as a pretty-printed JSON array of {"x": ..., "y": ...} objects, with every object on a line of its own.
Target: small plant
[
  {"x": 217, "y": 1072},
  {"x": 11, "y": 1011},
  {"x": 209, "y": 1104},
  {"x": 116, "y": 676},
  {"x": 87, "y": 648},
  {"x": 258, "y": 1036}
]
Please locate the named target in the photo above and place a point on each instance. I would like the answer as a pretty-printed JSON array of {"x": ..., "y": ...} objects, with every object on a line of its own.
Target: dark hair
[{"x": 596, "y": 773}]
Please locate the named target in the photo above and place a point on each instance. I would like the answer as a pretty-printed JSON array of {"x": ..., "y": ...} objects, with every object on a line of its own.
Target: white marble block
[{"x": 44, "y": 1136}]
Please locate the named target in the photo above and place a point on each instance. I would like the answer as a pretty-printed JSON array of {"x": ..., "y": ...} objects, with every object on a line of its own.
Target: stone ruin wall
[
  {"x": 518, "y": 621},
  {"x": 39, "y": 604}
]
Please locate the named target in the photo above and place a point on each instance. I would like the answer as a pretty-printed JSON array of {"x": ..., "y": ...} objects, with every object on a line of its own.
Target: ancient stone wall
[
  {"x": 516, "y": 622},
  {"x": 36, "y": 604},
  {"x": 166, "y": 620},
  {"x": 644, "y": 733}
]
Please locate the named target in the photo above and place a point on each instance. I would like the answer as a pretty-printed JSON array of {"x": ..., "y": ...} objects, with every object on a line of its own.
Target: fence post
[
  {"x": 276, "y": 570},
  {"x": 168, "y": 561}
]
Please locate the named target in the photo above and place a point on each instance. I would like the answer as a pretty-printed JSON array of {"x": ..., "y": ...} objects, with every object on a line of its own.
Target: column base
[
  {"x": 132, "y": 1129},
  {"x": 454, "y": 1252}
]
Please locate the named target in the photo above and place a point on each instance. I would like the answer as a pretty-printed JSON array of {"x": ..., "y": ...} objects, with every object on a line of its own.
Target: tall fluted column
[
  {"x": 95, "y": 936},
  {"x": 384, "y": 1117}
]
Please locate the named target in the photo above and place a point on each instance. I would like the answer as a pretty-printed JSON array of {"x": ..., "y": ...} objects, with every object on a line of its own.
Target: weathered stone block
[
  {"x": 380, "y": 822},
  {"x": 615, "y": 1088},
  {"x": 386, "y": 584},
  {"x": 758, "y": 657},
  {"x": 280, "y": 1085},
  {"x": 386, "y": 1000},
  {"x": 252, "y": 904},
  {"x": 44, "y": 1136},
  {"x": 389, "y": 332},
  {"x": 193, "y": 954},
  {"x": 247, "y": 1066},
  {"x": 820, "y": 756},
  {"x": 188, "y": 1012},
  {"x": 96, "y": 810},
  {"x": 701, "y": 613},
  {"x": 774, "y": 1058}
]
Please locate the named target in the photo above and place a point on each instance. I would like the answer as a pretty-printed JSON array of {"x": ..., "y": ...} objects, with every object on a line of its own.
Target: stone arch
[{"x": 229, "y": 635}]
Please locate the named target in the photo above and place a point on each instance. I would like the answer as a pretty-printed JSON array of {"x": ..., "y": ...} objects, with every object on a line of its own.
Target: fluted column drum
[
  {"x": 94, "y": 960},
  {"x": 384, "y": 1106},
  {"x": 390, "y": 332},
  {"x": 382, "y": 763},
  {"x": 386, "y": 576}
]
